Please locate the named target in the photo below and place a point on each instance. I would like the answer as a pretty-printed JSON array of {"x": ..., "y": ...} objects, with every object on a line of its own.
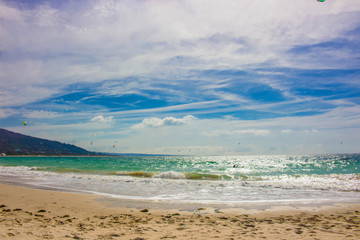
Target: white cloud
[
  {"x": 40, "y": 114},
  {"x": 102, "y": 119},
  {"x": 224, "y": 136},
  {"x": 286, "y": 131},
  {"x": 10, "y": 14},
  {"x": 6, "y": 112},
  {"x": 66, "y": 46},
  {"x": 311, "y": 131},
  {"x": 193, "y": 150},
  {"x": 167, "y": 121},
  {"x": 227, "y": 96},
  {"x": 255, "y": 132}
]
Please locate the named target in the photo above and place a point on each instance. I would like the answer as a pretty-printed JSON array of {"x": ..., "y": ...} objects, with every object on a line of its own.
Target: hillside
[{"x": 12, "y": 143}]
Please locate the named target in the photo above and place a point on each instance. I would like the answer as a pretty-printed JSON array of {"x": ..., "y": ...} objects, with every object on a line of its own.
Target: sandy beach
[{"x": 42, "y": 214}]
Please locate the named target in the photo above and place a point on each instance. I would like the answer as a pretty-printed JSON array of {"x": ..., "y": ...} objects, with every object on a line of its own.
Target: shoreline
[
  {"x": 28, "y": 213},
  {"x": 255, "y": 206}
]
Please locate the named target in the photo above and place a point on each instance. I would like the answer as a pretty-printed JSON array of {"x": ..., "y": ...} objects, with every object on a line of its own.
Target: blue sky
[{"x": 210, "y": 77}]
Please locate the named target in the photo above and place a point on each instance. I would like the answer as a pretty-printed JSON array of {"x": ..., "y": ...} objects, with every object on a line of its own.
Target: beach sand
[{"x": 27, "y": 213}]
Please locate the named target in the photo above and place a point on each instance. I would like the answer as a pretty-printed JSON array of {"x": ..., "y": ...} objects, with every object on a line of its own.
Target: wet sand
[{"x": 27, "y": 213}]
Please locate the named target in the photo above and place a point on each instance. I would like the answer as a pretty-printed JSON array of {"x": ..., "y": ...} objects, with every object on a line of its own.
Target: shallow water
[{"x": 196, "y": 179}]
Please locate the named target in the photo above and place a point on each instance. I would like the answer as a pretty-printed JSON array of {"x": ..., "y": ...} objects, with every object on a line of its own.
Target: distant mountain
[{"x": 12, "y": 143}]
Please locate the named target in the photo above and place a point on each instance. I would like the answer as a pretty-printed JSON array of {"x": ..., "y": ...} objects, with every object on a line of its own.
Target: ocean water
[{"x": 227, "y": 180}]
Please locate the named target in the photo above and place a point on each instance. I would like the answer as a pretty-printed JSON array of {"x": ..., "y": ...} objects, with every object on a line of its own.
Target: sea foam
[{"x": 170, "y": 175}]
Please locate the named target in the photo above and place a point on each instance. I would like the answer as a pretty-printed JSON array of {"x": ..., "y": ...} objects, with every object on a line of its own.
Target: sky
[{"x": 187, "y": 77}]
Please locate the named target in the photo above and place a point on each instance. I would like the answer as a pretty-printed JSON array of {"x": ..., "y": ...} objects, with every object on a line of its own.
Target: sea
[{"x": 226, "y": 180}]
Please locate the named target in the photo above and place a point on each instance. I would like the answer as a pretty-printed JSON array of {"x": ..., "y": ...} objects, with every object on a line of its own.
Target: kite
[
  {"x": 25, "y": 123},
  {"x": 321, "y": 0}
]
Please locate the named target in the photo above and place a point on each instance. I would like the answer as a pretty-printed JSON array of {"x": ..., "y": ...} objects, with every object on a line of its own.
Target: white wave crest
[{"x": 170, "y": 175}]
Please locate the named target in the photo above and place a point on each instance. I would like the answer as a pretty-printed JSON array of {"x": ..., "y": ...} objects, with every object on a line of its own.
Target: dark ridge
[{"x": 12, "y": 143}]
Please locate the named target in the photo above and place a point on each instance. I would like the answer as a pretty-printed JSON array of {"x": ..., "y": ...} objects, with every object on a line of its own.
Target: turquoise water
[
  {"x": 200, "y": 178},
  {"x": 217, "y": 165}
]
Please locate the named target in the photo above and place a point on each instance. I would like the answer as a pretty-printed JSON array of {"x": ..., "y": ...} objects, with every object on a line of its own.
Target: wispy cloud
[
  {"x": 40, "y": 114},
  {"x": 6, "y": 112},
  {"x": 256, "y": 132}
]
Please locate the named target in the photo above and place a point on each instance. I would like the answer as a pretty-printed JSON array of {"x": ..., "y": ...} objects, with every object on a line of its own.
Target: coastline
[{"x": 28, "y": 213}]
